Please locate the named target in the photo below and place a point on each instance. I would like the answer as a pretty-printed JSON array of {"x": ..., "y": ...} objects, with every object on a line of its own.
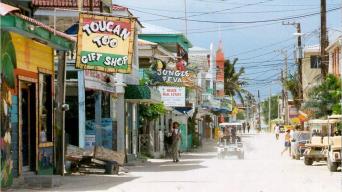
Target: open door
[{"x": 27, "y": 127}]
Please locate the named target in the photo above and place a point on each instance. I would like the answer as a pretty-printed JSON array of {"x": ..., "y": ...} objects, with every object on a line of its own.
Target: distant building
[
  {"x": 335, "y": 57},
  {"x": 311, "y": 69}
]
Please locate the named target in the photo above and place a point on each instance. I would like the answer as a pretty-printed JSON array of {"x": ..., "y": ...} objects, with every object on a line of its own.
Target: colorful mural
[
  {"x": 45, "y": 161},
  {"x": 7, "y": 65}
]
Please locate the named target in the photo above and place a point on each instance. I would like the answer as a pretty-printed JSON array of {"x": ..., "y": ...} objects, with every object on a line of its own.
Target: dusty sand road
[{"x": 262, "y": 170}]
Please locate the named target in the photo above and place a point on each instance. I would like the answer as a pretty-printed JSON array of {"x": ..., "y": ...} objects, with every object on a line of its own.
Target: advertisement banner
[
  {"x": 172, "y": 96},
  {"x": 97, "y": 80},
  {"x": 105, "y": 43}
]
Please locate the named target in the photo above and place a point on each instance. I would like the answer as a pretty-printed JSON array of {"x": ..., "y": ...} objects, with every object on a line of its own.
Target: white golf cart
[{"x": 229, "y": 143}]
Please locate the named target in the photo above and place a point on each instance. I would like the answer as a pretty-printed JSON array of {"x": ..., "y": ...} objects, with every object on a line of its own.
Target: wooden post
[
  {"x": 59, "y": 128},
  {"x": 324, "y": 39}
]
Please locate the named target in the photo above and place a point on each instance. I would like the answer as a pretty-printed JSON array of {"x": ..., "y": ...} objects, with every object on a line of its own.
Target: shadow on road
[{"x": 92, "y": 182}]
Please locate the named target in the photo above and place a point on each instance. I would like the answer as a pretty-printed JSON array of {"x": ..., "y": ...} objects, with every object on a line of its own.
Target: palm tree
[{"x": 232, "y": 80}]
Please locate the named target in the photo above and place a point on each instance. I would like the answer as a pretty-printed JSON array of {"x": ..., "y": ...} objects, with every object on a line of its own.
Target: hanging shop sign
[
  {"x": 105, "y": 43},
  {"x": 97, "y": 80},
  {"x": 184, "y": 78},
  {"x": 172, "y": 96}
]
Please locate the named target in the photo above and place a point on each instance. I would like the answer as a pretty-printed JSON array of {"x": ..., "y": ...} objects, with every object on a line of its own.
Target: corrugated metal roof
[
  {"x": 64, "y": 3},
  {"x": 5, "y": 9}
]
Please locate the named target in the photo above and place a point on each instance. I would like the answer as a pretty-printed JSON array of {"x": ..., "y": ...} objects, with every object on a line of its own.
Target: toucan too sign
[{"x": 105, "y": 43}]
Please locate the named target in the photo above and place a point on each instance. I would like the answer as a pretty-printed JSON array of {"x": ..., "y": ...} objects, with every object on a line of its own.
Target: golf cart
[
  {"x": 298, "y": 143},
  {"x": 317, "y": 148},
  {"x": 334, "y": 149},
  {"x": 229, "y": 143}
]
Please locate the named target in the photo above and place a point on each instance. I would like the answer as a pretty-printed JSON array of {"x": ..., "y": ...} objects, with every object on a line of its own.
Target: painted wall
[
  {"x": 7, "y": 114},
  {"x": 309, "y": 74}
]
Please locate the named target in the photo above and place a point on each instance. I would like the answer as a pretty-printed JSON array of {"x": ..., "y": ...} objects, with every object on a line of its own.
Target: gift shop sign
[
  {"x": 105, "y": 43},
  {"x": 172, "y": 96}
]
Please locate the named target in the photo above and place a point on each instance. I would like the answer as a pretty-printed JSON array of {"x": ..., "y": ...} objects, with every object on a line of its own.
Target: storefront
[
  {"x": 27, "y": 92},
  {"x": 134, "y": 95}
]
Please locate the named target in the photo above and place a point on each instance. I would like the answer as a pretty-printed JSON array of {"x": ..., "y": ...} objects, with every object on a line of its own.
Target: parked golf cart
[
  {"x": 317, "y": 148},
  {"x": 334, "y": 149},
  {"x": 229, "y": 143},
  {"x": 298, "y": 144}
]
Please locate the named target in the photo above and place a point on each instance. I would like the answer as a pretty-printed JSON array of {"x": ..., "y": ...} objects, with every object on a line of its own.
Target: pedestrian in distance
[
  {"x": 248, "y": 127},
  {"x": 277, "y": 131},
  {"x": 176, "y": 139},
  {"x": 244, "y": 127},
  {"x": 287, "y": 143}
]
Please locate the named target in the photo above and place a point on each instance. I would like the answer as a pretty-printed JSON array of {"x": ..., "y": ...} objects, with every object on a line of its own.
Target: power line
[{"x": 246, "y": 22}]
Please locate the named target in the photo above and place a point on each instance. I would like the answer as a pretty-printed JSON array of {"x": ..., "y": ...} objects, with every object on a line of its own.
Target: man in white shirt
[{"x": 277, "y": 131}]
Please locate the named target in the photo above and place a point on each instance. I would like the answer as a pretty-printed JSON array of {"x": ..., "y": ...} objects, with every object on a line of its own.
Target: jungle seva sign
[{"x": 105, "y": 43}]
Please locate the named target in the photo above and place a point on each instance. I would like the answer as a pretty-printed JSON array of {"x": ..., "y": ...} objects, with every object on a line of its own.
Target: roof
[
  {"x": 34, "y": 29},
  {"x": 198, "y": 50},
  {"x": 142, "y": 42},
  {"x": 64, "y": 3},
  {"x": 154, "y": 29},
  {"x": 168, "y": 38},
  {"x": 335, "y": 43},
  {"x": 312, "y": 48},
  {"x": 5, "y": 9}
]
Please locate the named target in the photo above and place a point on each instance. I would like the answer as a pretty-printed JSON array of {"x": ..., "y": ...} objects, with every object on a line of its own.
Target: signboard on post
[
  {"x": 105, "y": 43},
  {"x": 172, "y": 96},
  {"x": 97, "y": 80}
]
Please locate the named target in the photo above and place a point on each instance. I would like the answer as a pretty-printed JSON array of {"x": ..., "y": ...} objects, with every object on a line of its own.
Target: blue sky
[{"x": 252, "y": 43}]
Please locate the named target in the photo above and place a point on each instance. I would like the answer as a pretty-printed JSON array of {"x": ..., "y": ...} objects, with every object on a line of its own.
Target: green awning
[
  {"x": 142, "y": 94},
  {"x": 31, "y": 28},
  {"x": 168, "y": 41}
]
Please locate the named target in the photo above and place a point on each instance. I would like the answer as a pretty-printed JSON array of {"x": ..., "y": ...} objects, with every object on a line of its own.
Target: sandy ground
[{"x": 262, "y": 170}]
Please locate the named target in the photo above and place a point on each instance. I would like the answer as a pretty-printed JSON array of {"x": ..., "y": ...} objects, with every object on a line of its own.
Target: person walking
[
  {"x": 176, "y": 139},
  {"x": 287, "y": 143},
  {"x": 248, "y": 127},
  {"x": 277, "y": 131},
  {"x": 244, "y": 127}
]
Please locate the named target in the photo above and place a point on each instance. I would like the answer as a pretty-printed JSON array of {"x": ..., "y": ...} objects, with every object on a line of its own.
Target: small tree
[
  {"x": 274, "y": 108},
  {"x": 150, "y": 113},
  {"x": 324, "y": 99},
  {"x": 294, "y": 85}
]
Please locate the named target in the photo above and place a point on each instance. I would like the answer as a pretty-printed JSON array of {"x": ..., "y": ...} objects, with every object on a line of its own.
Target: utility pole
[
  {"x": 324, "y": 39},
  {"x": 286, "y": 118},
  {"x": 60, "y": 114},
  {"x": 185, "y": 19},
  {"x": 299, "y": 54},
  {"x": 269, "y": 109},
  {"x": 259, "y": 110}
]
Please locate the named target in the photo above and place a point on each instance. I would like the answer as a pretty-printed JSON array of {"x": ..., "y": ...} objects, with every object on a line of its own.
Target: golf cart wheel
[
  {"x": 241, "y": 156},
  {"x": 297, "y": 157},
  {"x": 332, "y": 166},
  {"x": 308, "y": 161}
]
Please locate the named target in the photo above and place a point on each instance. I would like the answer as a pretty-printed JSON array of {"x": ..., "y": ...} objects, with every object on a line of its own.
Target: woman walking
[
  {"x": 287, "y": 143},
  {"x": 176, "y": 139}
]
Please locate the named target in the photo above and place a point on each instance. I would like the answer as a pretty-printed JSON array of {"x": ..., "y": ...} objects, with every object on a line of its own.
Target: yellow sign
[{"x": 105, "y": 43}]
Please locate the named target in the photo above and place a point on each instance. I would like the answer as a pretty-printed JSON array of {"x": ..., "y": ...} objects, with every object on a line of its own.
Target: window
[
  {"x": 315, "y": 61},
  {"x": 45, "y": 107}
]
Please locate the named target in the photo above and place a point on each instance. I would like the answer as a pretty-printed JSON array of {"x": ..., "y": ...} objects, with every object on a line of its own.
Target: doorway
[{"x": 27, "y": 117}]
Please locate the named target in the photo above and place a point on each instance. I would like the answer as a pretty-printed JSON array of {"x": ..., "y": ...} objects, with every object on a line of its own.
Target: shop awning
[
  {"x": 34, "y": 29},
  {"x": 142, "y": 94}
]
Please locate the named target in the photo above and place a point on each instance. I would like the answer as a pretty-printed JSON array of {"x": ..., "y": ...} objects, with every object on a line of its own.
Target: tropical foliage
[
  {"x": 324, "y": 99},
  {"x": 232, "y": 80},
  {"x": 274, "y": 108},
  {"x": 293, "y": 85},
  {"x": 149, "y": 113}
]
